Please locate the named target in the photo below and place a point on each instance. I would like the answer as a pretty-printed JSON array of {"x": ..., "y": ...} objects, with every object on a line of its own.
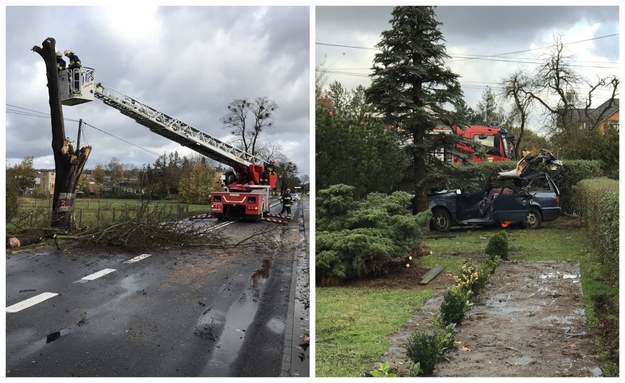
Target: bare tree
[
  {"x": 68, "y": 161},
  {"x": 554, "y": 87},
  {"x": 271, "y": 152},
  {"x": 247, "y": 119},
  {"x": 320, "y": 80},
  {"x": 515, "y": 88}
]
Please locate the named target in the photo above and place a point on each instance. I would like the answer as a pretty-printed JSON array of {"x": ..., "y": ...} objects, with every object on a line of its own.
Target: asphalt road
[{"x": 201, "y": 312}]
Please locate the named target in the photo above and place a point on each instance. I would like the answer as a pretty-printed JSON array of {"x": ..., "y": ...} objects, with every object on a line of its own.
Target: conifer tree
[{"x": 414, "y": 90}]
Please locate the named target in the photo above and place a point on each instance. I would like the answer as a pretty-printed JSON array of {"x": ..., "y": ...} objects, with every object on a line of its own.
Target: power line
[
  {"x": 18, "y": 110},
  {"x": 121, "y": 139},
  {"x": 494, "y": 57}
]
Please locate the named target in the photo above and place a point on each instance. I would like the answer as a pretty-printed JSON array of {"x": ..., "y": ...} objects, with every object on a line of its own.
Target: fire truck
[
  {"x": 497, "y": 142},
  {"x": 247, "y": 185}
]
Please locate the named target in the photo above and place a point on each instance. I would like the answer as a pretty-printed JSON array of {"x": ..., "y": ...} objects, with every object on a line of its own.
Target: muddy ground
[{"x": 529, "y": 321}]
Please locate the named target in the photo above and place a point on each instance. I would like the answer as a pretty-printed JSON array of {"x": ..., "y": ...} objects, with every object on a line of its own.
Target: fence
[{"x": 38, "y": 212}]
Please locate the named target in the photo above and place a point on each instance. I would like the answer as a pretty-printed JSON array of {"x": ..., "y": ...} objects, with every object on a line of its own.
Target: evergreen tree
[
  {"x": 357, "y": 151},
  {"x": 413, "y": 89},
  {"x": 488, "y": 109}
]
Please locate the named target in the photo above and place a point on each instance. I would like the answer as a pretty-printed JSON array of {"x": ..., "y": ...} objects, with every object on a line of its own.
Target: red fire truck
[{"x": 247, "y": 185}]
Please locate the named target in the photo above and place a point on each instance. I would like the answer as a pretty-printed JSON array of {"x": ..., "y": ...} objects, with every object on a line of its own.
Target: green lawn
[{"x": 353, "y": 325}]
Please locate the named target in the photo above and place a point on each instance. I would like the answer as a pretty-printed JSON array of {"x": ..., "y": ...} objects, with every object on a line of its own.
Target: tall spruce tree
[{"x": 414, "y": 90}]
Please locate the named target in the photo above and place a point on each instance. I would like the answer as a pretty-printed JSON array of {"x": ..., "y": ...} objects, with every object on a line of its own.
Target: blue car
[{"x": 526, "y": 195}]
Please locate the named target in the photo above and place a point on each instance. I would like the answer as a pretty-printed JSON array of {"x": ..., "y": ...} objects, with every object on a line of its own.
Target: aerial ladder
[{"x": 247, "y": 186}]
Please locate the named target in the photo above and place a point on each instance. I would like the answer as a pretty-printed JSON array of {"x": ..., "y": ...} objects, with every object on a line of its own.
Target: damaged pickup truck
[{"x": 526, "y": 195}]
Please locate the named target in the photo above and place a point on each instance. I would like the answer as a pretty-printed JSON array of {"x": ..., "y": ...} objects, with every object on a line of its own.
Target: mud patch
[{"x": 529, "y": 321}]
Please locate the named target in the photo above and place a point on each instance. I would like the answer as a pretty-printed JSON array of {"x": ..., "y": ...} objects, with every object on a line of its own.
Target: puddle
[
  {"x": 276, "y": 326},
  {"x": 259, "y": 277},
  {"x": 524, "y": 361},
  {"x": 236, "y": 321}
]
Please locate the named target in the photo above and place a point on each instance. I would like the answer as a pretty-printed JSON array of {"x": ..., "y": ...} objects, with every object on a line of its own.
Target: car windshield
[{"x": 486, "y": 141}]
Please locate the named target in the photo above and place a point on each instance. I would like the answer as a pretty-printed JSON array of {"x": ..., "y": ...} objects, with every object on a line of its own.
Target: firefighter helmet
[
  {"x": 68, "y": 52},
  {"x": 59, "y": 54}
]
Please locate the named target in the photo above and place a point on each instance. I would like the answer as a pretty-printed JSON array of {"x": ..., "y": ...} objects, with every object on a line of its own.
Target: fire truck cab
[{"x": 497, "y": 142}]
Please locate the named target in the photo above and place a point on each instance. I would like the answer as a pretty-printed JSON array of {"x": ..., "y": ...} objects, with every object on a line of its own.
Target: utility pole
[{"x": 68, "y": 161}]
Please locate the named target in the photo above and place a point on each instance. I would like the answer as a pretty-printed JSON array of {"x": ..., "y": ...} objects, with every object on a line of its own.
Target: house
[
  {"x": 610, "y": 115},
  {"x": 605, "y": 115},
  {"x": 44, "y": 181}
]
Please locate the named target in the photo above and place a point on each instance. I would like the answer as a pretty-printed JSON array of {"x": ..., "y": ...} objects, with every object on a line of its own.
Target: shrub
[
  {"x": 456, "y": 303},
  {"x": 426, "y": 350},
  {"x": 489, "y": 266},
  {"x": 467, "y": 277},
  {"x": 498, "y": 246},
  {"x": 362, "y": 238}
]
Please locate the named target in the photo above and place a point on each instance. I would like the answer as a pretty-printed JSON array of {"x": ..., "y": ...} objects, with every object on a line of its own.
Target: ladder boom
[{"x": 177, "y": 131}]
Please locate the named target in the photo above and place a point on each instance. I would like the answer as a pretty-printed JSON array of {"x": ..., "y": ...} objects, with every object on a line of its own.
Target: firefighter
[
  {"x": 287, "y": 201},
  {"x": 60, "y": 63},
  {"x": 74, "y": 61}
]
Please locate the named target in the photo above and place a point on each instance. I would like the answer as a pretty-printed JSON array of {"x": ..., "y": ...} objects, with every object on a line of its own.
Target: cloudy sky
[
  {"x": 485, "y": 43},
  {"x": 188, "y": 62}
]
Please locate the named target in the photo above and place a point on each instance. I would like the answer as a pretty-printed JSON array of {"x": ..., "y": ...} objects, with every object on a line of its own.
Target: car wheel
[
  {"x": 533, "y": 219},
  {"x": 441, "y": 221}
]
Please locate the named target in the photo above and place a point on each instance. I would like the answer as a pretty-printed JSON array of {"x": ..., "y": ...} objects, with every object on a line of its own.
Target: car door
[
  {"x": 469, "y": 199},
  {"x": 511, "y": 205}
]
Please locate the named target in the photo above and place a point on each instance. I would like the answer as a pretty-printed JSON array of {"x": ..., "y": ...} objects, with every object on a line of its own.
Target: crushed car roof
[{"x": 533, "y": 164}]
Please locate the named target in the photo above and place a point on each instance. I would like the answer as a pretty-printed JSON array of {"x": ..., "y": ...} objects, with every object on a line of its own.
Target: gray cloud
[
  {"x": 471, "y": 31},
  {"x": 194, "y": 61}
]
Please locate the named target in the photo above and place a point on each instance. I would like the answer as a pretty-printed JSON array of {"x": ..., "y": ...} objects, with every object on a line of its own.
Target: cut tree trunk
[{"x": 68, "y": 162}]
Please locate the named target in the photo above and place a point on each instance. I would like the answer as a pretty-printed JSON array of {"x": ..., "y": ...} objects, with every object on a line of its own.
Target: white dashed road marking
[
  {"x": 47, "y": 295},
  {"x": 30, "y": 302},
  {"x": 138, "y": 258},
  {"x": 93, "y": 276}
]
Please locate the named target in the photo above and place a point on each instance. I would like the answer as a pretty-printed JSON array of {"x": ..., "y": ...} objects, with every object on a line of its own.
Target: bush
[
  {"x": 425, "y": 349},
  {"x": 456, "y": 303},
  {"x": 362, "y": 238},
  {"x": 467, "y": 277},
  {"x": 498, "y": 246}
]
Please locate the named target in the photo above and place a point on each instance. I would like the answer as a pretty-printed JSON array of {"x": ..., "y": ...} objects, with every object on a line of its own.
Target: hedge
[
  {"x": 573, "y": 171},
  {"x": 596, "y": 199}
]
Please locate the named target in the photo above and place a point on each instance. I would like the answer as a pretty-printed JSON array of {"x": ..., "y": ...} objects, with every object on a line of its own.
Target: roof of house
[{"x": 603, "y": 111}]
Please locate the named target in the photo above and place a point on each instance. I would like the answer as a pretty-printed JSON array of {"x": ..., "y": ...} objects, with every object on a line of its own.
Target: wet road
[{"x": 217, "y": 312}]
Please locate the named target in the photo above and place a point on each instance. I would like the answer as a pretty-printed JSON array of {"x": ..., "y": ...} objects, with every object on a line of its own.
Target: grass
[{"x": 354, "y": 325}]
